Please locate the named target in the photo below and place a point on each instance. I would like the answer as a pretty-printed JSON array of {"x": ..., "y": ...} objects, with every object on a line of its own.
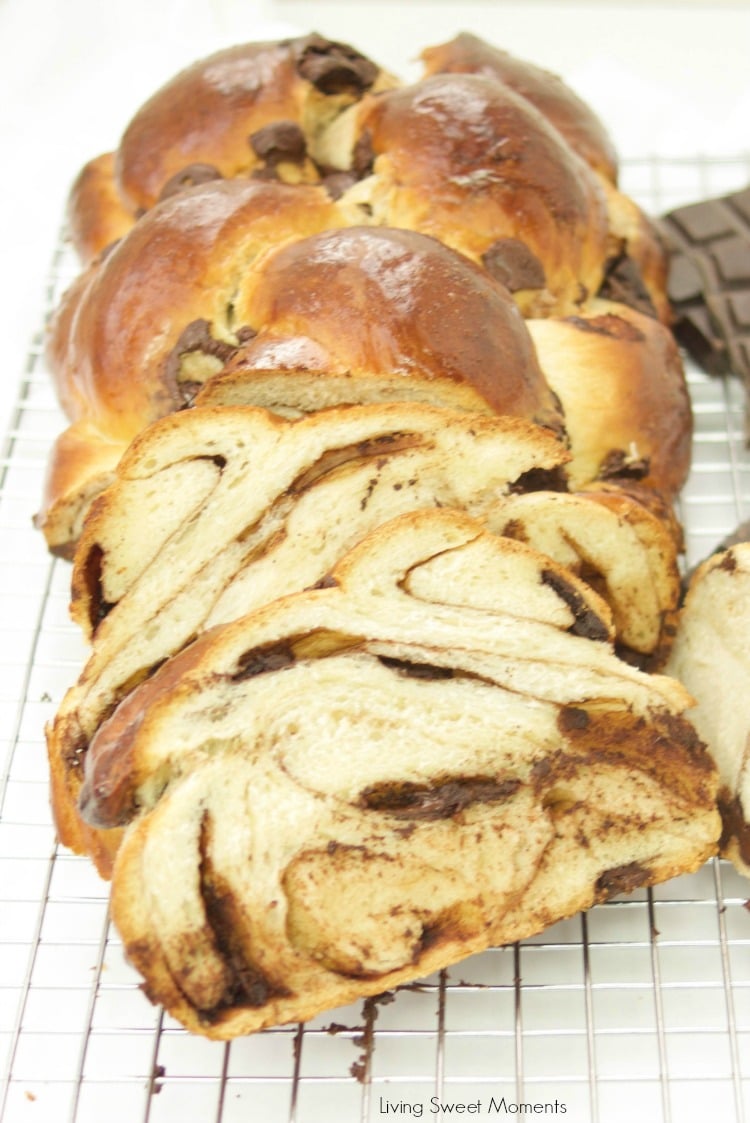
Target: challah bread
[
  {"x": 297, "y": 834},
  {"x": 218, "y": 511},
  {"x": 474, "y": 156},
  {"x": 711, "y": 656}
]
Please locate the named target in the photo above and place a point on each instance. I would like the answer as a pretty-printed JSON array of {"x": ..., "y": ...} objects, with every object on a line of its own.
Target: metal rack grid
[{"x": 637, "y": 1010}]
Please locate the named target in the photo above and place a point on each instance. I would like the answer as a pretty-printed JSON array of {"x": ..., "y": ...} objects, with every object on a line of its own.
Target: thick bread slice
[
  {"x": 616, "y": 372},
  {"x": 367, "y": 781},
  {"x": 217, "y": 511},
  {"x": 711, "y": 656}
]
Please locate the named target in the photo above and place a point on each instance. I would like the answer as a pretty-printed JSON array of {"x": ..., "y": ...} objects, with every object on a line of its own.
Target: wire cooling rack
[{"x": 638, "y": 1010}]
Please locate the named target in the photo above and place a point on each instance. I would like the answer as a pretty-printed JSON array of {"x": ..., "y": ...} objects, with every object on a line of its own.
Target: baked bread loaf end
[{"x": 711, "y": 656}]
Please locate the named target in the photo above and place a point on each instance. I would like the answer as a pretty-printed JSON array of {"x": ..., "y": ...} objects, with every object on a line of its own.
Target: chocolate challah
[
  {"x": 290, "y": 206},
  {"x": 375, "y": 427},
  {"x": 432, "y": 751}
]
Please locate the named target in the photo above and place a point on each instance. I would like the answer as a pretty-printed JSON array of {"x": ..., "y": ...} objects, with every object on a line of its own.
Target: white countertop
[{"x": 666, "y": 78}]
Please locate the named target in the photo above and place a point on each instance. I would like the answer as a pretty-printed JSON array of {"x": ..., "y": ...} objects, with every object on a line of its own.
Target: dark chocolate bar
[{"x": 709, "y": 281}]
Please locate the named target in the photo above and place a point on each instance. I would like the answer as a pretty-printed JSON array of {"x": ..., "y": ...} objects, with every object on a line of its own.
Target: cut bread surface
[{"x": 296, "y": 833}]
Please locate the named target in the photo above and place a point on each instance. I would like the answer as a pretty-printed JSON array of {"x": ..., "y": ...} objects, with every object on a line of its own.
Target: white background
[{"x": 666, "y": 78}]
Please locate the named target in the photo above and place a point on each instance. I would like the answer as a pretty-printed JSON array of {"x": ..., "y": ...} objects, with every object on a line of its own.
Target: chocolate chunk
[
  {"x": 622, "y": 879},
  {"x": 334, "y": 68},
  {"x": 416, "y": 670},
  {"x": 709, "y": 281},
  {"x": 99, "y": 608},
  {"x": 540, "y": 479},
  {"x": 261, "y": 660},
  {"x": 195, "y": 337},
  {"x": 585, "y": 621},
  {"x": 572, "y": 719},
  {"x": 363, "y": 155},
  {"x": 440, "y": 800},
  {"x": 338, "y": 183},
  {"x": 190, "y": 176},
  {"x": 623, "y": 282},
  {"x": 282, "y": 140},
  {"x": 619, "y": 465},
  {"x": 734, "y": 824},
  {"x": 510, "y": 261}
]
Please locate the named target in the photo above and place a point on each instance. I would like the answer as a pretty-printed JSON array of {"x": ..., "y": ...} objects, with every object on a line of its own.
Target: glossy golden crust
[
  {"x": 209, "y": 112},
  {"x": 393, "y": 301},
  {"x": 96, "y": 213},
  {"x": 464, "y": 158},
  {"x": 562, "y": 107},
  {"x": 183, "y": 261}
]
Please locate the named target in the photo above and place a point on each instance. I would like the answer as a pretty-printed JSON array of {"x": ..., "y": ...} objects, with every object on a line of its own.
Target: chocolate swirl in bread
[{"x": 297, "y": 835}]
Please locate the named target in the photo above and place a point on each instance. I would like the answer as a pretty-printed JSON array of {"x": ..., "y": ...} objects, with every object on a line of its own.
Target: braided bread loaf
[
  {"x": 375, "y": 426},
  {"x": 448, "y": 210}
]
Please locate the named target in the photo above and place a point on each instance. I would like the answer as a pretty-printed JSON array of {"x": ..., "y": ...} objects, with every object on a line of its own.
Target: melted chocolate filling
[
  {"x": 279, "y": 141},
  {"x": 196, "y": 337},
  {"x": 617, "y": 464},
  {"x": 192, "y": 175},
  {"x": 249, "y": 986},
  {"x": 334, "y": 68},
  {"x": 513, "y": 264},
  {"x": 622, "y": 879},
  {"x": 440, "y": 800},
  {"x": 734, "y": 825},
  {"x": 585, "y": 621},
  {"x": 261, "y": 660},
  {"x": 99, "y": 608},
  {"x": 415, "y": 670}
]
